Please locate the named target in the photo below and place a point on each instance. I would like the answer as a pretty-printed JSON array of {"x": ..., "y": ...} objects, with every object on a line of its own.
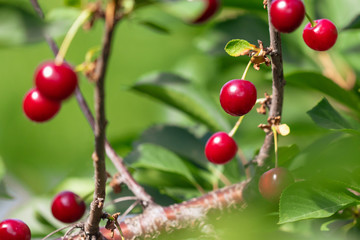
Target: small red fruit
[
  {"x": 220, "y": 148},
  {"x": 212, "y": 6},
  {"x": 39, "y": 108},
  {"x": 68, "y": 207},
  {"x": 322, "y": 36},
  {"x": 287, "y": 15},
  {"x": 273, "y": 182},
  {"x": 238, "y": 97},
  {"x": 56, "y": 82},
  {"x": 14, "y": 229}
]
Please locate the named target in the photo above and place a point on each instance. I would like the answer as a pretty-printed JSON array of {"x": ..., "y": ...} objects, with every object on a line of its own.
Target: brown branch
[
  {"x": 277, "y": 89},
  {"x": 96, "y": 207}
]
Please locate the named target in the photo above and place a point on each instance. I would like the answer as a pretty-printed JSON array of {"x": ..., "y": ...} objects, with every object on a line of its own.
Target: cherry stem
[
  {"x": 246, "y": 70},
  {"x": 84, "y": 15},
  {"x": 235, "y": 128},
  {"x": 313, "y": 24},
  {"x": 275, "y": 145}
]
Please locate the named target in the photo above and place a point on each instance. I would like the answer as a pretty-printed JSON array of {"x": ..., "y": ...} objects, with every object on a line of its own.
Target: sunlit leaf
[{"x": 239, "y": 47}]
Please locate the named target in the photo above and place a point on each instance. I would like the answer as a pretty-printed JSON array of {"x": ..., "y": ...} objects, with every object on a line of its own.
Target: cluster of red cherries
[
  {"x": 53, "y": 84},
  {"x": 287, "y": 15},
  {"x": 66, "y": 207}
]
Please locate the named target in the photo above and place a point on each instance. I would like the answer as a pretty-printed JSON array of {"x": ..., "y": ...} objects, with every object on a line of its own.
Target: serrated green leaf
[
  {"x": 287, "y": 153},
  {"x": 354, "y": 24},
  {"x": 308, "y": 200},
  {"x": 318, "y": 82},
  {"x": 156, "y": 157},
  {"x": 177, "y": 92},
  {"x": 324, "y": 115},
  {"x": 239, "y": 47}
]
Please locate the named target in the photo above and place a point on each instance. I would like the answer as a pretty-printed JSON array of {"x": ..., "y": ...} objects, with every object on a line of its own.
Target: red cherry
[
  {"x": 212, "y": 6},
  {"x": 220, "y": 148},
  {"x": 14, "y": 229},
  {"x": 322, "y": 36},
  {"x": 56, "y": 82},
  {"x": 38, "y": 108},
  {"x": 68, "y": 207},
  {"x": 287, "y": 15},
  {"x": 273, "y": 182},
  {"x": 238, "y": 97}
]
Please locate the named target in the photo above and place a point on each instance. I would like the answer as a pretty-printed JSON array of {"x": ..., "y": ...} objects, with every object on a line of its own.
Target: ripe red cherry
[
  {"x": 212, "y": 6},
  {"x": 287, "y": 15},
  {"x": 238, "y": 97},
  {"x": 14, "y": 229},
  {"x": 56, "y": 82},
  {"x": 220, "y": 148},
  {"x": 68, "y": 207},
  {"x": 322, "y": 36},
  {"x": 39, "y": 108},
  {"x": 273, "y": 182}
]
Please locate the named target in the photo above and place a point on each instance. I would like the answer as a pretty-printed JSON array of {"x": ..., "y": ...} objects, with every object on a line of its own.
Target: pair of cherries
[
  {"x": 287, "y": 15},
  {"x": 54, "y": 83},
  {"x": 67, "y": 207}
]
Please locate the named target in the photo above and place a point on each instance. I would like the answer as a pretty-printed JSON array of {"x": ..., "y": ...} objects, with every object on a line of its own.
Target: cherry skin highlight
[
  {"x": 14, "y": 229},
  {"x": 56, "y": 82},
  {"x": 220, "y": 148},
  {"x": 68, "y": 207},
  {"x": 322, "y": 36},
  {"x": 212, "y": 6},
  {"x": 238, "y": 97},
  {"x": 273, "y": 182},
  {"x": 287, "y": 15},
  {"x": 39, "y": 108}
]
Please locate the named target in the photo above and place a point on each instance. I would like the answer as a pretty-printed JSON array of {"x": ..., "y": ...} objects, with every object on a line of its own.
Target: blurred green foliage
[{"x": 154, "y": 45}]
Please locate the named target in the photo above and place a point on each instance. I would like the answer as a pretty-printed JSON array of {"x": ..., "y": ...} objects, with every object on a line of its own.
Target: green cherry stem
[
  {"x": 235, "y": 128},
  {"x": 310, "y": 19},
  {"x": 246, "y": 70},
  {"x": 84, "y": 15},
  {"x": 273, "y": 128}
]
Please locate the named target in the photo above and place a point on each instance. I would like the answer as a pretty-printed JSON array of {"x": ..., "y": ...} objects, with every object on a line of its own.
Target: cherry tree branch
[
  {"x": 277, "y": 89},
  {"x": 126, "y": 177}
]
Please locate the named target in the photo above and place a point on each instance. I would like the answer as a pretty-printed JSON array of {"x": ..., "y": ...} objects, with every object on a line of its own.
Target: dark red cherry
[
  {"x": 273, "y": 182},
  {"x": 287, "y": 15},
  {"x": 39, "y": 108},
  {"x": 220, "y": 148},
  {"x": 14, "y": 229},
  {"x": 322, "y": 36},
  {"x": 211, "y": 7},
  {"x": 68, "y": 207},
  {"x": 56, "y": 82},
  {"x": 238, "y": 97}
]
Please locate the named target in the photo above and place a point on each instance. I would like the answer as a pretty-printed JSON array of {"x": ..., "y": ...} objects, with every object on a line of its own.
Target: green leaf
[
  {"x": 324, "y": 85},
  {"x": 177, "y": 139},
  {"x": 354, "y": 24},
  {"x": 73, "y": 3},
  {"x": 156, "y": 157},
  {"x": 308, "y": 200},
  {"x": 324, "y": 115},
  {"x": 59, "y": 20},
  {"x": 177, "y": 92},
  {"x": 287, "y": 153},
  {"x": 18, "y": 26},
  {"x": 239, "y": 47},
  {"x": 155, "y": 27}
]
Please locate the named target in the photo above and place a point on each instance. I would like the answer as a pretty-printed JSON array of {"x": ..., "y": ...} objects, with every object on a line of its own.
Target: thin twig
[
  {"x": 132, "y": 206},
  {"x": 77, "y": 225},
  {"x": 277, "y": 89},
  {"x": 122, "y": 199}
]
